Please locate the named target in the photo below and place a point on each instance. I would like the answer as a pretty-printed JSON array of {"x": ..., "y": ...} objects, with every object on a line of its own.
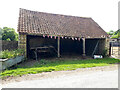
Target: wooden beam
[
  {"x": 83, "y": 47},
  {"x": 58, "y": 46}
]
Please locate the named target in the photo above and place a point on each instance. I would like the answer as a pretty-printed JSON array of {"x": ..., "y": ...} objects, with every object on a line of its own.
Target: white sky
[{"x": 104, "y": 12}]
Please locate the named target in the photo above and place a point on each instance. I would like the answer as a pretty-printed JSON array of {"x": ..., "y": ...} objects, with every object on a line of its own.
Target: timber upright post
[
  {"x": 83, "y": 47},
  {"x": 58, "y": 46}
]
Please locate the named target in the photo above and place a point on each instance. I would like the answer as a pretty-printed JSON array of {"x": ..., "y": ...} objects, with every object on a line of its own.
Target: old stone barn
[{"x": 53, "y": 34}]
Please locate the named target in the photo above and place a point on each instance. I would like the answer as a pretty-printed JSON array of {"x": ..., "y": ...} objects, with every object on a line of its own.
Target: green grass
[{"x": 58, "y": 65}]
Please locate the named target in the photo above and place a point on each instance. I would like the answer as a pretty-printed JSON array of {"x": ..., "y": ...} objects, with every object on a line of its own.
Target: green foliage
[
  {"x": 116, "y": 34},
  {"x": 57, "y": 66},
  {"x": 11, "y": 54},
  {"x": 111, "y": 32},
  {"x": 8, "y": 39},
  {"x": 8, "y": 34}
]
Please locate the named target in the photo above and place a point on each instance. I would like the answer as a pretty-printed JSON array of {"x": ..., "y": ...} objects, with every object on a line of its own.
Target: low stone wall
[
  {"x": 8, "y": 45},
  {"x": 115, "y": 51}
]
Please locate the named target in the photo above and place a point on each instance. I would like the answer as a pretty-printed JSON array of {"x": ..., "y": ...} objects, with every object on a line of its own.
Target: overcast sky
[{"x": 104, "y": 12}]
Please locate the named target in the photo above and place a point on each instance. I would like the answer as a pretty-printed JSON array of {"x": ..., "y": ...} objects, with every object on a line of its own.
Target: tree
[
  {"x": 8, "y": 34},
  {"x": 116, "y": 34},
  {"x": 0, "y": 33},
  {"x": 111, "y": 32}
]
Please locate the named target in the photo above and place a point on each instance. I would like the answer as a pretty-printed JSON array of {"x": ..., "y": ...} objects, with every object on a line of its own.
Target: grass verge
[{"x": 48, "y": 66}]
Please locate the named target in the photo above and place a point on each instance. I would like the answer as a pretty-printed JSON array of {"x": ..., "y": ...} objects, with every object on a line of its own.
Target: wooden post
[
  {"x": 83, "y": 47},
  {"x": 110, "y": 50},
  {"x": 58, "y": 46}
]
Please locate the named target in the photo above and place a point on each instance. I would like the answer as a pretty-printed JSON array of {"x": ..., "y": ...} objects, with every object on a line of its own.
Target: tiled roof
[{"x": 33, "y": 22}]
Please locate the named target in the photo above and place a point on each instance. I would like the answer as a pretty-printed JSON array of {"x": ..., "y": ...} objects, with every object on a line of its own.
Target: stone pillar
[
  {"x": 107, "y": 45},
  {"x": 83, "y": 47},
  {"x": 22, "y": 42}
]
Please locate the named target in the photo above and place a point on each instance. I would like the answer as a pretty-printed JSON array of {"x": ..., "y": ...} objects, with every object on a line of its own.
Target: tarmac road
[{"x": 86, "y": 79}]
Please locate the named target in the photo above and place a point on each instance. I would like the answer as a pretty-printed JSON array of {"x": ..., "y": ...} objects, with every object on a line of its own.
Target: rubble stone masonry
[
  {"x": 22, "y": 42},
  {"x": 107, "y": 45}
]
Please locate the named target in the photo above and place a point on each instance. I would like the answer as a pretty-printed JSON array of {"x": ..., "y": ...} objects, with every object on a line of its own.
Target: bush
[{"x": 11, "y": 54}]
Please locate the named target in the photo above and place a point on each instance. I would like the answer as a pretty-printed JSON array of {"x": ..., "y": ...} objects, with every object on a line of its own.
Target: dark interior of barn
[
  {"x": 67, "y": 46},
  {"x": 70, "y": 47}
]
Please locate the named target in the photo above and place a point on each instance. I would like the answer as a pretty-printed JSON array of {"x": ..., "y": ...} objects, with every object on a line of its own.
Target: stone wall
[
  {"x": 107, "y": 45},
  {"x": 22, "y": 42},
  {"x": 8, "y": 45},
  {"x": 119, "y": 52},
  {"x": 119, "y": 49},
  {"x": 115, "y": 51}
]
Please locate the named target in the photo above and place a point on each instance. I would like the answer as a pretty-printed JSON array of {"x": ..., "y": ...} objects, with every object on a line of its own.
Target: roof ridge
[{"x": 56, "y": 14}]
